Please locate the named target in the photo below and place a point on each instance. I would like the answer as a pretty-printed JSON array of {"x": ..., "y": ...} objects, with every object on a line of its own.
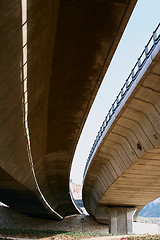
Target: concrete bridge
[
  {"x": 54, "y": 55},
  {"x": 122, "y": 173}
]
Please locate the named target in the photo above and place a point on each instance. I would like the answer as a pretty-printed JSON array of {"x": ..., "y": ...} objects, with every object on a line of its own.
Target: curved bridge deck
[
  {"x": 123, "y": 168},
  {"x": 47, "y": 93}
]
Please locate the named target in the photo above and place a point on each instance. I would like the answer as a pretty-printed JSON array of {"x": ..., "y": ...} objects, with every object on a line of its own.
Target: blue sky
[{"x": 141, "y": 25}]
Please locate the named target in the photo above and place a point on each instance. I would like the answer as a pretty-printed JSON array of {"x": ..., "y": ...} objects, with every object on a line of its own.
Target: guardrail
[{"x": 155, "y": 38}]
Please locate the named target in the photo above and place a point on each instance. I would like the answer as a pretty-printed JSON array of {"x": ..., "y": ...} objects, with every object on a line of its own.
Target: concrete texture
[
  {"x": 120, "y": 220},
  {"x": 69, "y": 47},
  {"x": 125, "y": 169}
]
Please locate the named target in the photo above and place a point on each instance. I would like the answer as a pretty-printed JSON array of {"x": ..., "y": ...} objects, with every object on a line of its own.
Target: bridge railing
[{"x": 155, "y": 38}]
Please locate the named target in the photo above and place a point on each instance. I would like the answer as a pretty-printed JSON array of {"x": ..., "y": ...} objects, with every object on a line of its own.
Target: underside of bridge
[
  {"x": 125, "y": 171},
  {"x": 69, "y": 47}
]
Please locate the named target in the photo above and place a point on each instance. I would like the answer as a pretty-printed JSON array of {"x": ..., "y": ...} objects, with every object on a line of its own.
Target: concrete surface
[
  {"x": 69, "y": 47},
  {"x": 125, "y": 168},
  {"x": 120, "y": 220}
]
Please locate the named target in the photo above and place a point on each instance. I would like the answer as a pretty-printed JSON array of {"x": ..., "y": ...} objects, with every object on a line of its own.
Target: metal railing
[{"x": 155, "y": 38}]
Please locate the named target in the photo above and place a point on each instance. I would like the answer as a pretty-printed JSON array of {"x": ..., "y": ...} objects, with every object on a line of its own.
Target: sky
[{"x": 143, "y": 21}]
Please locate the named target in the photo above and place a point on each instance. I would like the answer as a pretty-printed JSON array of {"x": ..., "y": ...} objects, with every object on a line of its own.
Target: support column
[{"x": 121, "y": 220}]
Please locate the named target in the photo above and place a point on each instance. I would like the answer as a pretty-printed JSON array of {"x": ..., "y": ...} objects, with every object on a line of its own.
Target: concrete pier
[{"x": 121, "y": 220}]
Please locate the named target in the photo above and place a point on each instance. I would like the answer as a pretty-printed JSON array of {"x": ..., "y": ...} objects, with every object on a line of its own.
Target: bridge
[
  {"x": 54, "y": 55},
  {"x": 122, "y": 172}
]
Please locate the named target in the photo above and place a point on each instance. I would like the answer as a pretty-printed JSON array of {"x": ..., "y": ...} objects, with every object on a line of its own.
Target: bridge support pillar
[{"x": 121, "y": 220}]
